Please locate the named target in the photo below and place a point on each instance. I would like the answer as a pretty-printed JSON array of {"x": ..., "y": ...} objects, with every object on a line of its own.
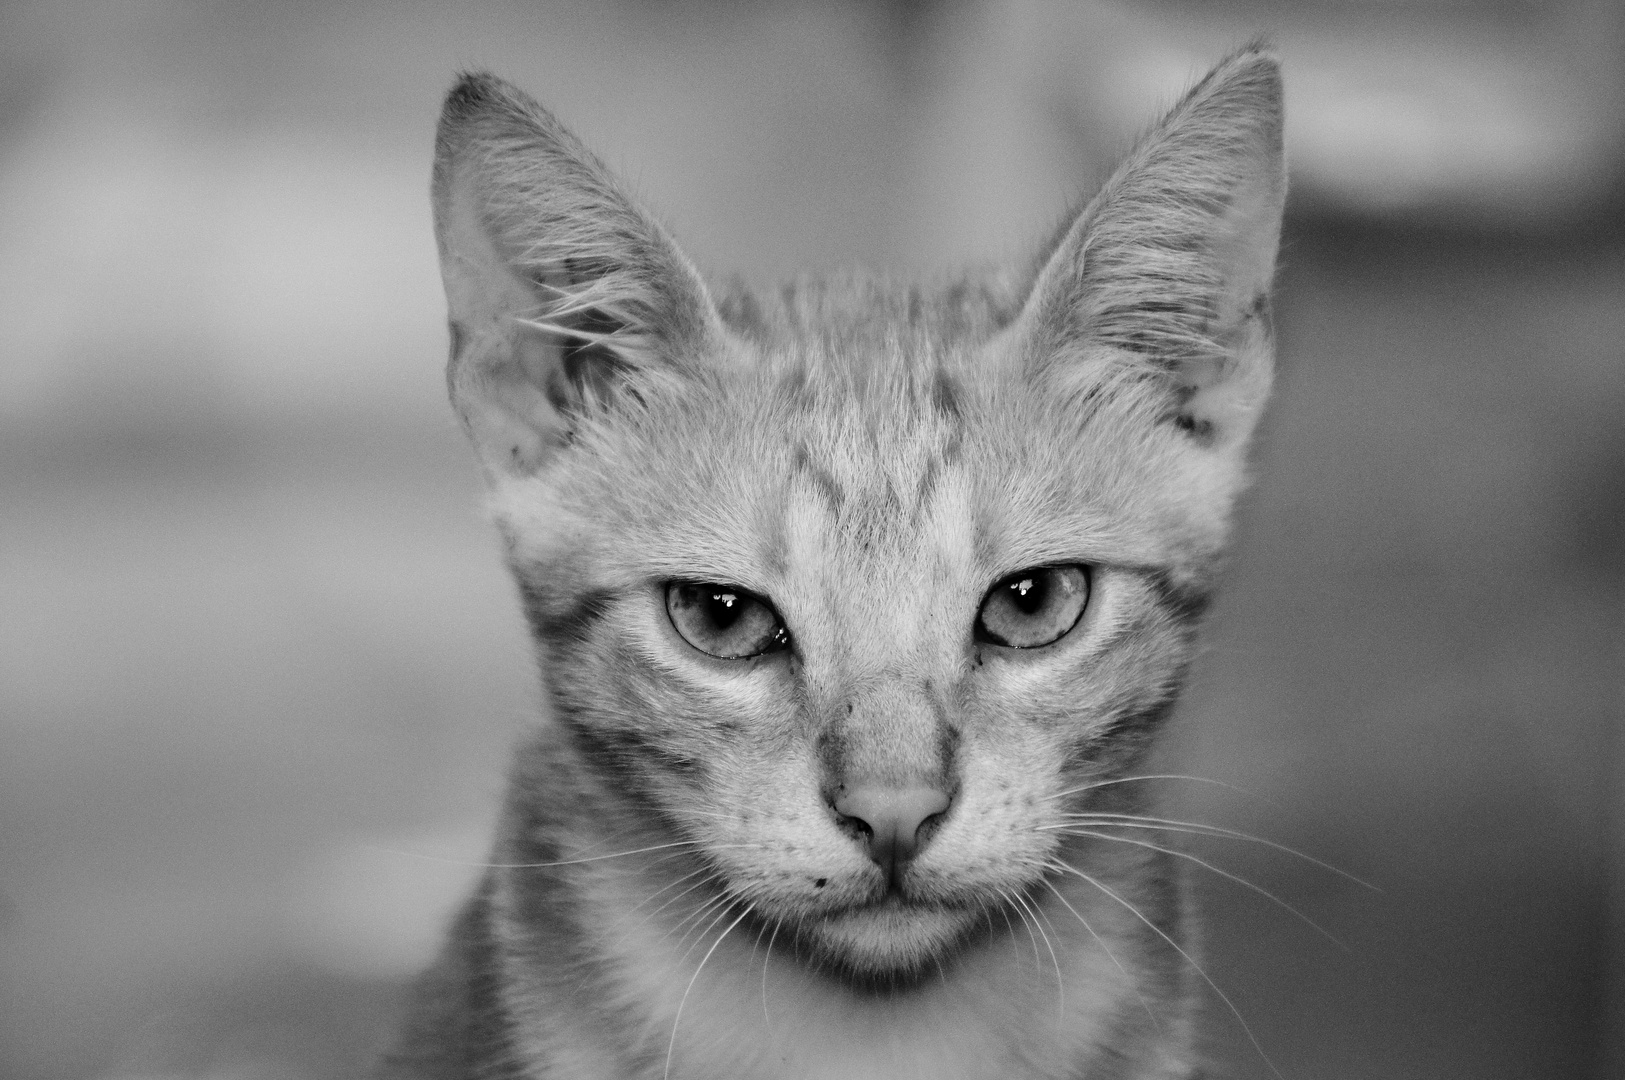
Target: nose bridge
[
  {"x": 886, "y": 719},
  {"x": 892, "y": 730}
]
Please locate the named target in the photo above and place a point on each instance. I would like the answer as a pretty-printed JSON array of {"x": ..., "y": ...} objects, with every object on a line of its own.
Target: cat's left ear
[
  {"x": 1162, "y": 283},
  {"x": 560, "y": 287}
]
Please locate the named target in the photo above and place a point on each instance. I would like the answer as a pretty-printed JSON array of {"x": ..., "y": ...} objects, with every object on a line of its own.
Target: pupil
[
  {"x": 725, "y": 609},
  {"x": 1029, "y": 595}
]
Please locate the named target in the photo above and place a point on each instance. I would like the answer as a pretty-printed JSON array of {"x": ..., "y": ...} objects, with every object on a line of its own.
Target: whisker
[
  {"x": 1222, "y": 872},
  {"x": 704, "y": 870},
  {"x": 1146, "y": 1005},
  {"x": 696, "y": 812},
  {"x": 768, "y": 1020},
  {"x": 1157, "y": 776},
  {"x": 648, "y": 918},
  {"x": 1004, "y": 909},
  {"x": 678, "y": 1018},
  {"x": 1028, "y": 906},
  {"x": 722, "y": 910},
  {"x": 696, "y": 917},
  {"x": 1038, "y": 961},
  {"x": 1068, "y": 868},
  {"x": 1197, "y": 828},
  {"x": 1060, "y": 984},
  {"x": 542, "y": 865}
]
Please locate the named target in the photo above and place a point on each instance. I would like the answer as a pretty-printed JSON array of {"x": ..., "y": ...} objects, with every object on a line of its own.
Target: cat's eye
[
  {"x": 1033, "y": 607},
  {"x": 723, "y": 620}
]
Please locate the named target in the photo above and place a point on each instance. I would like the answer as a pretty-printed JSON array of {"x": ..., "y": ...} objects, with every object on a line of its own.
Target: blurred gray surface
[{"x": 259, "y": 664}]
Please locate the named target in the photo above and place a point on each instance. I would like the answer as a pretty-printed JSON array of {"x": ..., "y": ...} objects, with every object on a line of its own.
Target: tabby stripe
[
  {"x": 945, "y": 396},
  {"x": 574, "y": 624},
  {"x": 623, "y": 752},
  {"x": 822, "y": 479},
  {"x": 1184, "y": 604},
  {"x": 1126, "y": 733},
  {"x": 490, "y": 1039}
]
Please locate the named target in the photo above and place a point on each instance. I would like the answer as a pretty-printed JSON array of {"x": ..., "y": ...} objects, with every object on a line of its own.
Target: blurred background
[{"x": 260, "y": 665}]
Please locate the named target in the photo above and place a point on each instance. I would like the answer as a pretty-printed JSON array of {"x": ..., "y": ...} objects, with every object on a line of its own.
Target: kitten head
[{"x": 860, "y": 586}]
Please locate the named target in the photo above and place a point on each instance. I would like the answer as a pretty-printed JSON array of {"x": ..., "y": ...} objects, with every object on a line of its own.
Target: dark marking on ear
[
  {"x": 1184, "y": 604},
  {"x": 1199, "y": 429},
  {"x": 1149, "y": 339},
  {"x": 822, "y": 479},
  {"x": 589, "y": 373},
  {"x": 914, "y": 305},
  {"x": 1262, "y": 311},
  {"x": 594, "y": 373},
  {"x": 1181, "y": 417},
  {"x": 455, "y": 329}
]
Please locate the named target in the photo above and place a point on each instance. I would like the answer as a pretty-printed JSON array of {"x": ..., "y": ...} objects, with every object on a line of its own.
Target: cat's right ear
[
  {"x": 558, "y": 285},
  {"x": 1159, "y": 290}
]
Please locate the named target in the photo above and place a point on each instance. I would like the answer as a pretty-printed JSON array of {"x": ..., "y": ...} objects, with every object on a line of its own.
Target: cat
[{"x": 858, "y": 605}]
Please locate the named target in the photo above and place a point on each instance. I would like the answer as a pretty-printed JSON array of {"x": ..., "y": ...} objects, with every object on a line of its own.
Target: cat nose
[{"x": 890, "y": 819}]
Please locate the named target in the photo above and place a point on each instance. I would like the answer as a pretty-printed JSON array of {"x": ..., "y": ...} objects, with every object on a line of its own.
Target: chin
[{"x": 889, "y": 944}]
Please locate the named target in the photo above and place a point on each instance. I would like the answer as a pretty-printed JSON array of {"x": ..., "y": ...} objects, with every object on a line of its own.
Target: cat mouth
[
  {"x": 889, "y": 941},
  {"x": 891, "y": 903}
]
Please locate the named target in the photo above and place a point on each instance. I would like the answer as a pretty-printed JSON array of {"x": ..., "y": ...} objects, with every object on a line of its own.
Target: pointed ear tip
[
  {"x": 1256, "y": 67},
  {"x": 1247, "y": 83},
  {"x": 473, "y": 89},
  {"x": 478, "y": 93},
  {"x": 1260, "y": 52},
  {"x": 478, "y": 105}
]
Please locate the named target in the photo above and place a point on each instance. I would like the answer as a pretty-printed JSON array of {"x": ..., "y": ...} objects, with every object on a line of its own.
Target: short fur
[{"x": 673, "y": 891}]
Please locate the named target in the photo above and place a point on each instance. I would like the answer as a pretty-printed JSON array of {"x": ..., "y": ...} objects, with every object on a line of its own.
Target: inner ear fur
[
  {"x": 1164, "y": 277},
  {"x": 558, "y": 285}
]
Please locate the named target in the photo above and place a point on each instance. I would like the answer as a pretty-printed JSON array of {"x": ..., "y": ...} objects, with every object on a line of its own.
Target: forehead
[{"x": 880, "y": 439}]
